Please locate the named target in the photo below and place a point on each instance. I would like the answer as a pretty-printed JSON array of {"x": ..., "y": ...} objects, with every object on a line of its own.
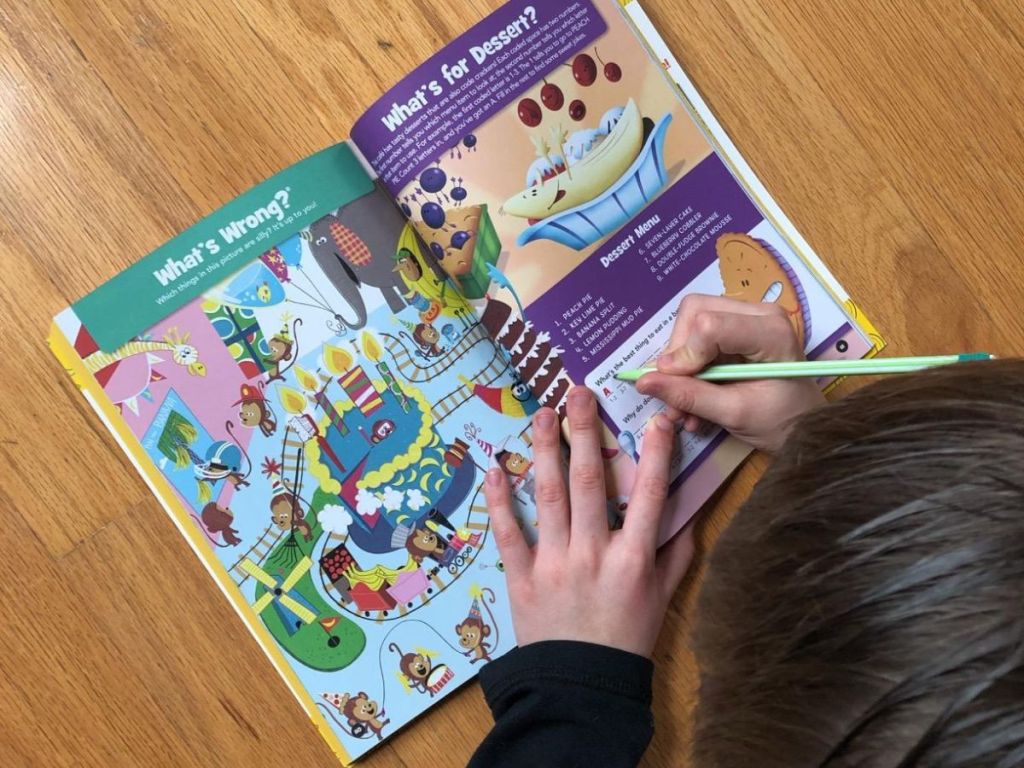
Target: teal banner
[{"x": 222, "y": 243}]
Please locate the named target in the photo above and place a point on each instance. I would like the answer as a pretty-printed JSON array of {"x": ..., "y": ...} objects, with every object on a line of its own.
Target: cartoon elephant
[{"x": 352, "y": 260}]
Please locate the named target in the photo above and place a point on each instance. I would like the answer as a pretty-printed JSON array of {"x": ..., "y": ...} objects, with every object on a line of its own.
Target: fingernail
[
  {"x": 545, "y": 418},
  {"x": 493, "y": 476},
  {"x": 579, "y": 395},
  {"x": 662, "y": 422}
]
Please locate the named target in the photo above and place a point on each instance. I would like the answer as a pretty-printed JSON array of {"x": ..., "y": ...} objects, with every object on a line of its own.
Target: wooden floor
[{"x": 892, "y": 133}]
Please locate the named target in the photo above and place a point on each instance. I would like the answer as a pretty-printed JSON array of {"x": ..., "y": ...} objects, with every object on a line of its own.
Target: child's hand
[
  {"x": 710, "y": 329},
  {"x": 581, "y": 581}
]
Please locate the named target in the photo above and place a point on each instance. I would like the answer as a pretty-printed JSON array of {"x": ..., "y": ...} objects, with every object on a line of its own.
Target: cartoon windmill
[{"x": 292, "y": 607}]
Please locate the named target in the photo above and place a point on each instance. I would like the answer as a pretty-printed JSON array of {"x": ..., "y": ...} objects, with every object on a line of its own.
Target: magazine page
[
  {"x": 316, "y": 409},
  {"x": 555, "y": 166}
]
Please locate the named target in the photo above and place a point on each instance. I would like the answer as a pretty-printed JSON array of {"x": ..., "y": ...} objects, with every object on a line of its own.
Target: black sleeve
[{"x": 564, "y": 704}]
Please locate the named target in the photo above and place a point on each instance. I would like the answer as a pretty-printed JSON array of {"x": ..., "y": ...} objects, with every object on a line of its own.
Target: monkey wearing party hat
[{"x": 473, "y": 631}]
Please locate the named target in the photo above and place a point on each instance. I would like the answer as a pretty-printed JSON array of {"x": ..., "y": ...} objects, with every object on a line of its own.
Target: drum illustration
[{"x": 438, "y": 678}]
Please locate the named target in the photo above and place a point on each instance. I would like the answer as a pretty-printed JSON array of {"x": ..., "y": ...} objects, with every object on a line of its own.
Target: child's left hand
[{"x": 583, "y": 582}]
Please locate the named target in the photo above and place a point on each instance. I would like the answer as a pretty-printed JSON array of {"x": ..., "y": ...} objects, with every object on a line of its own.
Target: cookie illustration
[{"x": 753, "y": 271}]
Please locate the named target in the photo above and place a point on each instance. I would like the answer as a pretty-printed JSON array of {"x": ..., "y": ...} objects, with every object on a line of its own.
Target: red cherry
[
  {"x": 552, "y": 97},
  {"x": 577, "y": 109},
  {"x": 613, "y": 72},
  {"x": 584, "y": 70},
  {"x": 529, "y": 113}
]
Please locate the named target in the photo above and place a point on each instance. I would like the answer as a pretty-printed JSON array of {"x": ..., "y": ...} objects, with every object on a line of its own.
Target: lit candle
[
  {"x": 311, "y": 383},
  {"x": 375, "y": 354},
  {"x": 392, "y": 384},
  {"x": 337, "y": 420},
  {"x": 336, "y": 359},
  {"x": 353, "y": 380},
  {"x": 360, "y": 389},
  {"x": 305, "y": 426}
]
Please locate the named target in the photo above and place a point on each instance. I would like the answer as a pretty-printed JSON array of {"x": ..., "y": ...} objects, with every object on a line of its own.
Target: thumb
[{"x": 713, "y": 402}]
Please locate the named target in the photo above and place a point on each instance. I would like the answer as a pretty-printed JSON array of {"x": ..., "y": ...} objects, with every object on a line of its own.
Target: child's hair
[{"x": 866, "y": 605}]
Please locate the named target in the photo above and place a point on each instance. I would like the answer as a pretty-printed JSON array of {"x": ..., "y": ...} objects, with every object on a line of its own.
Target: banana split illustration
[{"x": 589, "y": 162}]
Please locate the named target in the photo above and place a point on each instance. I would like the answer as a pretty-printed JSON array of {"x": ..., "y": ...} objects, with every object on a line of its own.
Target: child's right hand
[{"x": 713, "y": 328}]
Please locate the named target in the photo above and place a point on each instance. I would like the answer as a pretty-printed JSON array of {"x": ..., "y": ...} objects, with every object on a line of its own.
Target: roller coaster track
[
  {"x": 257, "y": 553},
  {"x": 444, "y": 407},
  {"x": 409, "y": 366},
  {"x": 291, "y": 459}
]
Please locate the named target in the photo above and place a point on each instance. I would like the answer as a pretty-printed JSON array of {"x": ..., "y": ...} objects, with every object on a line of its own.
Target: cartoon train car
[
  {"x": 408, "y": 586},
  {"x": 464, "y": 538},
  {"x": 429, "y": 541},
  {"x": 335, "y": 563},
  {"x": 368, "y": 600},
  {"x": 340, "y": 561}
]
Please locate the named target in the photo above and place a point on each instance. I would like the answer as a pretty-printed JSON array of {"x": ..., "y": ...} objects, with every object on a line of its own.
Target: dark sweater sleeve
[{"x": 564, "y": 704}]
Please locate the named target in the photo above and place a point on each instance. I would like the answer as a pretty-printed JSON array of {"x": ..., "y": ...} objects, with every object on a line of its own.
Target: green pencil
[{"x": 817, "y": 368}]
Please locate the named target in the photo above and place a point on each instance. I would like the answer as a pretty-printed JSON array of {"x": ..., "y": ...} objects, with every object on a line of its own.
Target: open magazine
[{"x": 314, "y": 378}]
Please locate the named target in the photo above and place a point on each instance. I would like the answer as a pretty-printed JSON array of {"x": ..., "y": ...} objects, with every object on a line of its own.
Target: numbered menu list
[
  {"x": 592, "y": 323},
  {"x": 636, "y": 276}
]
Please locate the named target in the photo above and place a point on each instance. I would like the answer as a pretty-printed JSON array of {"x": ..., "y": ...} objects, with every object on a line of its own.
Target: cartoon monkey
[
  {"x": 423, "y": 542},
  {"x": 284, "y": 347},
  {"x": 513, "y": 462},
  {"x": 286, "y": 513},
  {"x": 238, "y": 479},
  {"x": 224, "y": 461},
  {"x": 217, "y": 519},
  {"x": 427, "y": 337},
  {"x": 255, "y": 411},
  {"x": 381, "y": 430},
  {"x": 415, "y": 667},
  {"x": 473, "y": 631},
  {"x": 363, "y": 714},
  {"x": 517, "y": 467}
]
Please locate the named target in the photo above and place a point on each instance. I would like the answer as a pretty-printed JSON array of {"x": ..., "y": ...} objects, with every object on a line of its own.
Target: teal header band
[{"x": 222, "y": 243}]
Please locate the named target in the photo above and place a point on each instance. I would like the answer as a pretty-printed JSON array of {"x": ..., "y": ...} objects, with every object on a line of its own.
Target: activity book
[{"x": 314, "y": 379}]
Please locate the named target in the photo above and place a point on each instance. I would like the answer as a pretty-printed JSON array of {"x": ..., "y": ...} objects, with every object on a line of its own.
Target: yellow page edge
[
  {"x": 732, "y": 157},
  {"x": 161, "y": 488}
]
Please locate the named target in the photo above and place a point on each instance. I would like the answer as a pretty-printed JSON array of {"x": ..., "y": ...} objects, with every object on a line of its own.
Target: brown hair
[{"x": 865, "y": 605}]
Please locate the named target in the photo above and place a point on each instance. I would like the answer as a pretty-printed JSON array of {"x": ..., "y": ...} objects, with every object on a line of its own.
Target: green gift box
[{"x": 485, "y": 252}]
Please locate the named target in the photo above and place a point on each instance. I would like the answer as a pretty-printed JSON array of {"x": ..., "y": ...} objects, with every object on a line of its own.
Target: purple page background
[
  {"x": 559, "y": 29},
  {"x": 707, "y": 188}
]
